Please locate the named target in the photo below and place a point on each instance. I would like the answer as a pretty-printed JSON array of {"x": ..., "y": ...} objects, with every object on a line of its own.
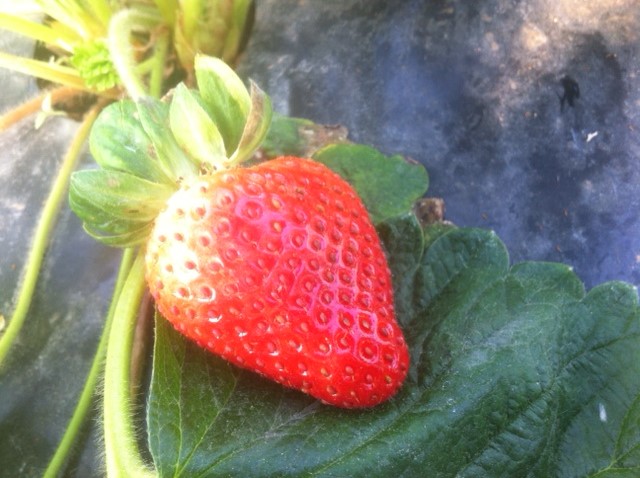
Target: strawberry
[
  {"x": 278, "y": 269},
  {"x": 275, "y": 267}
]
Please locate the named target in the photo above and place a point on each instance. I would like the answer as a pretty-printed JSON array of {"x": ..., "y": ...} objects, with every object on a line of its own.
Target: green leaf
[
  {"x": 207, "y": 378},
  {"x": 118, "y": 142},
  {"x": 515, "y": 372},
  {"x": 226, "y": 98},
  {"x": 195, "y": 131},
  {"x": 299, "y": 137},
  {"x": 388, "y": 185},
  {"x": 284, "y": 138},
  {"x": 435, "y": 230},
  {"x": 256, "y": 127},
  {"x": 405, "y": 243},
  {"x": 115, "y": 204}
]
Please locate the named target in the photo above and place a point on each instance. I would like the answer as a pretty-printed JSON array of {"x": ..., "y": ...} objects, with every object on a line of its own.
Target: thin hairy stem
[
  {"x": 43, "y": 233},
  {"x": 161, "y": 47},
  {"x": 121, "y": 446},
  {"x": 84, "y": 403},
  {"x": 33, "y": 105},
  {"x": 122, "y": 26}
]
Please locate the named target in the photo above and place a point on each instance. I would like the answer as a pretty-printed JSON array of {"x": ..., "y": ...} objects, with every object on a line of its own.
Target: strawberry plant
[
  {"x": 512, "y": 370},
  {"x": 275, "y": 267},
  {"x": 92, "y": 53},
  {"x": 96, "y": 52},
  {"x": 107, "y": 49},
  {"x": 510, "y": 365}
]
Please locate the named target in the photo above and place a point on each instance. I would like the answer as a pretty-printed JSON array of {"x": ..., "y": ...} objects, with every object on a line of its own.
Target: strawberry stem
[
  {"x": 85, "y": 401},
  {"x": 122, "y": 453},
  {"x": 159, "y": 57},
  {"x": 43, "y": 232},
  {"x": 122, "y": 26},
  {"x": 34, "y": 104}
]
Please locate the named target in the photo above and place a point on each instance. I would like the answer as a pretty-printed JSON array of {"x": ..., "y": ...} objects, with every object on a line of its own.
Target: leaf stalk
[
  {"x": 122, "y": 26},
  {"x": 84, "y": 403},
  {"x": 43, "y": 232},
  {"x": 122, "y": 452}
]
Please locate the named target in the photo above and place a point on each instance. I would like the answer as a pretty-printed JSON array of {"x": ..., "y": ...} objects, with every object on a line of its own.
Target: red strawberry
[{"x": 278, "y": 269}]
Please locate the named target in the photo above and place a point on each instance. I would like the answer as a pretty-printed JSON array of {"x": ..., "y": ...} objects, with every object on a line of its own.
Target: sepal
[
  {"x": 195, "y": 131},
  {"x": 115, "y": 203},
  {"x": 226, "y": 97},
  {"x": 256, "y": 126},
  {"x": 154, "y": 117},
  {"x": 119, "y": 142},
  {"x": 148, "y": 148},
  {"x": 131, "y": 238}
]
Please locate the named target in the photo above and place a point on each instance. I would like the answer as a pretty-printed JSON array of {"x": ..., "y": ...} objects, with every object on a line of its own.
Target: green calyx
[{"x": 146, "y": 149}]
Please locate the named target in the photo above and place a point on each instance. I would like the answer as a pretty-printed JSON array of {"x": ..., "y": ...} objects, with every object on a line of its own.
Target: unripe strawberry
[{"x": 278, "y": 269}]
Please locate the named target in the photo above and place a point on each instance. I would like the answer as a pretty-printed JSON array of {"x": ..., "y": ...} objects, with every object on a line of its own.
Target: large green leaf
[
  {"x": 515, "y": 372},
  {"x": 284, "y": 137},
  {"x": 388, "y": 185}
]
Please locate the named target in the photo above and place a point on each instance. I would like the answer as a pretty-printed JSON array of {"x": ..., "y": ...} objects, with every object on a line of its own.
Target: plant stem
[
  {"x": 122, "y": 26},
  {"x": 43, "y": 232},
  {"x": 122, "y": 453},
  {"x": 31, "y": 106},
  {"x": 159, "y": 57},
  {"x": 84, "y": 403}
]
